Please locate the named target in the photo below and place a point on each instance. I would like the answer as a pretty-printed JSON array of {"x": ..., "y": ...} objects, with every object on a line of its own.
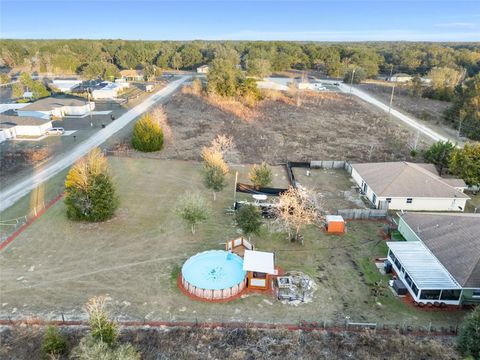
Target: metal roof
[
  {"x": 453, "y": 239},
  {"x": 259, "y": 261},
  {"x": 422, "y": 266},
  {"x": 334, "y": 218}
]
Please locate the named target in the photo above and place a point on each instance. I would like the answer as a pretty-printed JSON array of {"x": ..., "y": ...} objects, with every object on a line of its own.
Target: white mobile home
[
  {"x": 408, "y": 186},
  {"x": 109, "y": 90},
  {"x": 400, "y": 78},
  {"x": 65, "y": 86},
  {"x": 17, "y": 126},
  {"x": 57, "y": 108},
  {"x": 202, "y": 69}
]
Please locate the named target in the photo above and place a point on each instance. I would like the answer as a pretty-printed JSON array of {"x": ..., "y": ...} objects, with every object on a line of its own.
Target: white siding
[
  {"x": 418, "y": 204},
  {"x": 104, "y": 94},
  {"x": 369, "y": 193},
  {"x": 426, "y": 204},
  {"x": 32, "y": 130},
  {"x": 78, "y": 110}
]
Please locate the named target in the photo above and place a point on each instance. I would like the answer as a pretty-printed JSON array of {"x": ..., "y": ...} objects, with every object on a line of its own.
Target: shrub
[
  {"x": 53, "y": 344},
  {"x": 248, "y": 91},
  {"x": 193, "y": 209},
  {"x": 90, "y": 349},
  {"x": 465, "y": 163},
  {"x": 439, "y": 154},
  {"x": 101, "y": 327},
  {"x": 147, "y": 134},
  {"x": 468, "y": 341},
  {"x": 261, "y": 175},
  {"x": 358, "y": 74},
  {"x": 89, "y": 191},
  {"x": 249, "y": 220},
  {"x": 214, "y": 178}
]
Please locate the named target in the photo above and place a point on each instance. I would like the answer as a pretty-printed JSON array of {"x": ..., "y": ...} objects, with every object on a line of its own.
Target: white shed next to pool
[{"x": 259, "y": 266}]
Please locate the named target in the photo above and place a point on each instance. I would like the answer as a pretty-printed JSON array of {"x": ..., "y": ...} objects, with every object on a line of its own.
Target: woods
[{"x": 257, "y": 58}]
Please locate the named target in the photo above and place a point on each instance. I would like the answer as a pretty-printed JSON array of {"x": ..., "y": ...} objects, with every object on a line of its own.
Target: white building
[
  {"x": 57, "y": 108},
  {"x": 66, "y": 86},
  {"x": 400, "y": 78},
  {"x": 409, "y": 186},
  {"x": 109, "y": 90},
  {"x": 202, "y": 69},
  {"x": 12, "y": 127},
  {"x": 132, "y": 75}
]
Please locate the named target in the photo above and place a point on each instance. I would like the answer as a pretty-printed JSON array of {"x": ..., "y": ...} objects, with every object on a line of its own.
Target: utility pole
[
  {"x": 351, "y": 81},
  {"x": 391, "y": 96},
  {"x": 459, "y": 128},
  {"x": 391, "y": 101}
]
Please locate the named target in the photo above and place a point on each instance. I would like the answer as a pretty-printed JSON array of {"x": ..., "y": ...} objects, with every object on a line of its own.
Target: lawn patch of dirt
[{"x": 324, "y": 126}]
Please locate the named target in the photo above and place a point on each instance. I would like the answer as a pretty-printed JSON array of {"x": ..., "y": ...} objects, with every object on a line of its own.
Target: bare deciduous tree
[
  {"x": 222, "y": 144},
  {"x": 160, "y": 116},
  {"x": 295, "y": 210}
]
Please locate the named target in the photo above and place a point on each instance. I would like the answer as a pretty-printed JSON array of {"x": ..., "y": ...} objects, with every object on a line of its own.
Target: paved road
[
  {"x": 402, "y": 117},
  {"x": 10, "y": 195}
]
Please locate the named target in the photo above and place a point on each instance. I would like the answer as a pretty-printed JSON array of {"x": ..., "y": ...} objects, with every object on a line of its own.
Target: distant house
[
  {"x": 12, "y": 127},
  {"x": 408, "y": 186},
  {"x": 109, "y": 90},
  {"x": 132, "y": 75},
  {"x": 66, "y": 85},
  {"x": 303, "y": 84},
  {"x": 57, "y": 107},
  {"x": 202, "y": 69},
  {"x": 28, "y": 95},
  {"x": 440, "y": 259},
  {"x": 400, "y": 78}
]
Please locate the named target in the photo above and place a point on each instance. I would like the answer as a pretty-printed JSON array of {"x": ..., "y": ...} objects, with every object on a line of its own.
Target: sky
[{"x": 318, "y": 20}]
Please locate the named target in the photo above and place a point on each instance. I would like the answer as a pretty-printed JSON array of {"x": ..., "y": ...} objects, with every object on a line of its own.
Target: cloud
[{"x": 457, "y": 25}]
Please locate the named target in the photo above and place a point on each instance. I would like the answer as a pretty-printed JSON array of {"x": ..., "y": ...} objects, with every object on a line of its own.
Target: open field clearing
[
  {"x": 428, "y": 112},
  {"x": 325, "y": 126},
  {"x": 56, "y": 265}
]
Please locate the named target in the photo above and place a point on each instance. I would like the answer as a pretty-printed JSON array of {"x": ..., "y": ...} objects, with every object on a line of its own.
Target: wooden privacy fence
[
  {"x": 363, "y": 214},
  {"x": 329, "y": 164}
]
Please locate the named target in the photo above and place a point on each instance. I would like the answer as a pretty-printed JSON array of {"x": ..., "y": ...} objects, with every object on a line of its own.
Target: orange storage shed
[{"x": 335, "y": 224}]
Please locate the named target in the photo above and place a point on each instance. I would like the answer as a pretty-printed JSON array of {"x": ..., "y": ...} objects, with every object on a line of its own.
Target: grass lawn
[{"x": 56, "y": 265}]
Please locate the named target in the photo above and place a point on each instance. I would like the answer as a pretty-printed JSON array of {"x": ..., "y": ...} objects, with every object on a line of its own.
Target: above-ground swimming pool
[{"x": 214, "y": 274}]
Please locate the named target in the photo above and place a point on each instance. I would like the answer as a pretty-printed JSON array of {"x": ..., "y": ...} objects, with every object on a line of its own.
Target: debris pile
[{"x": 295, "y": 288}]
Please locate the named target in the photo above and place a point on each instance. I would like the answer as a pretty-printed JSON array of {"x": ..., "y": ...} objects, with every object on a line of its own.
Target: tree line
[
  {"x": 452, "y": 68},
  {"x": 256, "y": 57}
]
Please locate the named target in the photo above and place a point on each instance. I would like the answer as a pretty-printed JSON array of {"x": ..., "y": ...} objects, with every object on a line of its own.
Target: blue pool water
[{"x": 214, "y": 270}]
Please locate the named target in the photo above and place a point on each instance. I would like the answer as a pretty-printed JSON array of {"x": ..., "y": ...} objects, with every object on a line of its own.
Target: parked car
[
  {"x": 336, "y": 84},
  {"x": 56, "y": 131}
]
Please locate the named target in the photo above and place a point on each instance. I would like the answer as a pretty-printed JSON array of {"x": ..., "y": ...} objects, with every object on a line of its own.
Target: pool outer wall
[{"x": 210, "y": 294}]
